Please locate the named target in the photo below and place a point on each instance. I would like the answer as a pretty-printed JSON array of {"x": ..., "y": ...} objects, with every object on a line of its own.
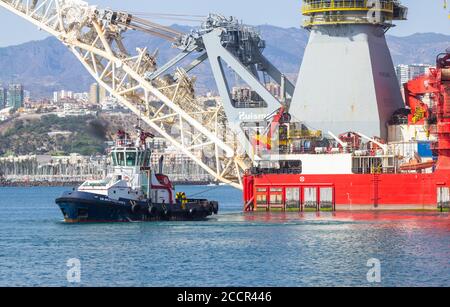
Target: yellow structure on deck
[
  {"x": 445, "y": 7},
  {"x": 333, "y": 12}
]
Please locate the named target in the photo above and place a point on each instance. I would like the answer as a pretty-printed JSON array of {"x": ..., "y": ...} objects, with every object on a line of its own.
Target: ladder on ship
[{"x": 376, "y": 189}]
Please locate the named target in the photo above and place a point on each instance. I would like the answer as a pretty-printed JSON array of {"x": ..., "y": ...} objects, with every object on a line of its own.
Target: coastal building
[
  {"x": 3, "y": 94},
  {"x": 101, "y": 94},
  {"x": 176, "y": 165},
  {"x": 97, "y": 94},
  {"x": 402, "y": 72},
  {"x": 111, "y": 105},
  {"x": 64, "y": 96},
  {"x": 46, "y": 168},
  {"x": 93, "y": 94},
  {"x": 74, "y": 110},
  {"x": 83, "y": 96},
  {"x": 15, "y": 96},
  {"x": 406, "y": 73},
  {"x": 417, "y": 70}
]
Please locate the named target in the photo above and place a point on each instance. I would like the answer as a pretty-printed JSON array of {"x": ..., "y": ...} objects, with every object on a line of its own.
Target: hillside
[
  {"x": 32, "y": 136},
  {"x": 46, "y": 66},
  {"x": 49, "y": 134}
]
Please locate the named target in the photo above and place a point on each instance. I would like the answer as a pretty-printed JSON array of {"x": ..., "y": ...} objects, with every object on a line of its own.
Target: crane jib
[{"x": 95, "y": 36}]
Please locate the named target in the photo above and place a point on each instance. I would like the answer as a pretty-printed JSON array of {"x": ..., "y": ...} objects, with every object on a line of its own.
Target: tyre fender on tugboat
[
  {"x": 192, "y": 211},
  {"x": 135, "y": 208},
  {"x": 166, "y": 211},
  {"x": 215, "y": 206},
  {"x": 152, "y": 210}
]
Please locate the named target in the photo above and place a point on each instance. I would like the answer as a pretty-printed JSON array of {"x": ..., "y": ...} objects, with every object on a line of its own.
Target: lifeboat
[{"x": 417, "y": 166}]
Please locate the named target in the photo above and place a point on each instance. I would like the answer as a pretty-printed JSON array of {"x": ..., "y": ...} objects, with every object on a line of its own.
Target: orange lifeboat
[{"x": 417, "y": 166}]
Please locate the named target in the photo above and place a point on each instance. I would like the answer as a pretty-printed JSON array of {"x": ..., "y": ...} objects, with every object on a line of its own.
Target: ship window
[
  {"x": 120, "y": 159},
  {"x": 141, "y": 158},
  {"x": 292, "y": 198},
  {"x": 148, "y": 158},
  {"x": 276, "y": 196},
  {"x": 131, "y": 158},
  {"x": 261, "y": 196},
  {"x": 326, "y": 198},
  {"x": 144, "y": 156},
  {"x": 261, "y": 199},
  {"x": 276, "y": 199},
  {"x": 310, "y": 195},
  {"x": 114, "y": 158}
]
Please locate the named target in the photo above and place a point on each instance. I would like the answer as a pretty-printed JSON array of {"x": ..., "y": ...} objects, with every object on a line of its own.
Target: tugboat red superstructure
[
  {"x": 410, "y": 170},
  {"x": 132, "y": 191}
]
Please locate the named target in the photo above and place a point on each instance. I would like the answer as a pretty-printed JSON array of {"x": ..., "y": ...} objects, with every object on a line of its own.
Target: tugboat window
[
  {"x": 121, "y": 159},
  {"x": 147, "y": 159},
  {"x": 139, "y": 158},
  {"x": 131, "y": 158},
  {"x": 142, "y": 159},
  {"x": 114, "y": 157}
]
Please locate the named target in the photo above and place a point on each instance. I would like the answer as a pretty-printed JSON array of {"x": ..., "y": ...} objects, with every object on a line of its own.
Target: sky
[{"x": 424, "y": 15}]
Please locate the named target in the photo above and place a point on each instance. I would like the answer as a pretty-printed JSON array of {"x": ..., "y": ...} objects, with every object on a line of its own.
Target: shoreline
[{"x": 8, "y": 184}]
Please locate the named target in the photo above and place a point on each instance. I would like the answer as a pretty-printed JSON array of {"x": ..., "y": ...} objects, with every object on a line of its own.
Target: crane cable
[
  {"x": 140, "y": 21},
  {"x": 141, "y": 24},
  {"x": 206, "y": 191},
  {"x": 175, "y": 17},
  {"x": 168, "y": 15}
]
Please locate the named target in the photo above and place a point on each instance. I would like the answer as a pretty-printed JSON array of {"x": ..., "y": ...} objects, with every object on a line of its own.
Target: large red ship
[{"x": 356, "y": 172}]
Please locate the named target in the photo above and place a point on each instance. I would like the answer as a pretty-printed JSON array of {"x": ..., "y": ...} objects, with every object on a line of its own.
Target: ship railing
[
  {"x": 344, "y": 19},
  {"x": 97, "y": 183},
  {"x": 305, "y": 134},
  {"x": 382, "y": 164},
  {"x": 275, "y": 171},
  {"x": 374, "y": 170},
  {"x": 304, "y": 150},
  {"x": 319, "y": 6},
  {"x": 124, "y": 143}
]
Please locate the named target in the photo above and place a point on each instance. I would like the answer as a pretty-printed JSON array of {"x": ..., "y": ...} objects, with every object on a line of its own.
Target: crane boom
[{"x": 164, "y": 97}]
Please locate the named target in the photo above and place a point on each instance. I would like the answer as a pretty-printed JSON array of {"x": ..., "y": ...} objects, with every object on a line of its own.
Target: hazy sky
[{"x": 424, "y": 15}]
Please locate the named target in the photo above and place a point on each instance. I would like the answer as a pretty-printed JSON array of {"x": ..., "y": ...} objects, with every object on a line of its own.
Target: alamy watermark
[
  {"x": 374, "y": 273},
  {"x": 74, "y": 271},
  {"x": 374, "y": 13}
]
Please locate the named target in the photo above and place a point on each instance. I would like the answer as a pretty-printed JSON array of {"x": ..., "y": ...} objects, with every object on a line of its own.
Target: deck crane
[{"x": 163, "y": 96}]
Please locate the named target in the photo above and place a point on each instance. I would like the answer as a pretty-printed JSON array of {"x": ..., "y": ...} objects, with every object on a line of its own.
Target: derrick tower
[{"x": 347, "y": 80}]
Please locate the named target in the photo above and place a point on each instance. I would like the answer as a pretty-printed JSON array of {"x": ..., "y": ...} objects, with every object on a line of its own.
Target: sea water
[{"x": 231, "y": 249}]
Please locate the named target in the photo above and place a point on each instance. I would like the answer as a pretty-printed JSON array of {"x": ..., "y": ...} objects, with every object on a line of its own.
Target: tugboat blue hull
[{"x": 79, "y": 207}]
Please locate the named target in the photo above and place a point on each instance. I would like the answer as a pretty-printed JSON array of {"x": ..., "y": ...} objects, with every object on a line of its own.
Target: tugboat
[{"x": 132, "y": 191}]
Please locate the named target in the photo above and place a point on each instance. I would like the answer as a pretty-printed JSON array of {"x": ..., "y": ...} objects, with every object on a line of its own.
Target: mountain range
[{"x": 47, "y": 65}]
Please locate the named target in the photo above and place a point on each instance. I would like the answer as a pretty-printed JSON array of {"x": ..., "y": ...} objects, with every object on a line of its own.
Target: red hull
[
  {"x": 349, "y": 192},
  {"x": 372, "y": 191}
]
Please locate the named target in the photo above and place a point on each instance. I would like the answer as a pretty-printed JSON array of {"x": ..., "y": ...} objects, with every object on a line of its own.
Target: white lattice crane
[{"x": 164, "y": 97}]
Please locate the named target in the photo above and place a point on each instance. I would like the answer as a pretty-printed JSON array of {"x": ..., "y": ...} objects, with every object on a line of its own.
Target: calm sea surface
[{"x": 231, "y": 249}]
